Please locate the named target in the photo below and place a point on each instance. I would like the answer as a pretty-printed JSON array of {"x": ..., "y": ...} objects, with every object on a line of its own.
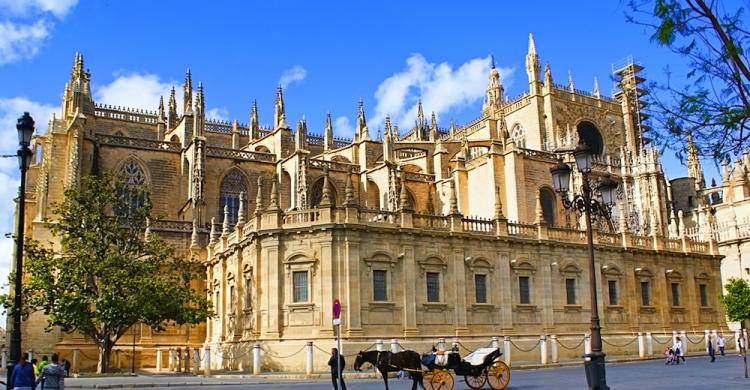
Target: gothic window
[
  {"x": 518, "y": 135},
  {"x": 232, "y": 187},
  {"x": 547, "y": 197},
  {"x": 590, "y": 135},
  {"x": 131, "y": 189},
  {"x": 316, "y": 193}
]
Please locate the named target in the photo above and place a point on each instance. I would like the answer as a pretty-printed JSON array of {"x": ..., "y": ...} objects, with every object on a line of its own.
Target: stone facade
[{"x": 433, "y": 232}]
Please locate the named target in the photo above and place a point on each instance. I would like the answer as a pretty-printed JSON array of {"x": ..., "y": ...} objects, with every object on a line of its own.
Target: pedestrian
[
  {"x": 710, "y": 348},
  {"x": 23, "y": 374},
  {"x": 721, "y": 343},
  {"x": 679, "y": 353},
  {"x": 35, "y": 364},
  {"x": 66, "y": 366},
  {"x": 53, "y": 375},
  {"x": 43, "y": 363},
  {"x": 335, "y": 362}
]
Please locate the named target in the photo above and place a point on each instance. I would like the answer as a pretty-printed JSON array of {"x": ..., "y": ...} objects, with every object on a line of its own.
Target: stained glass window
[{"x": 232, "y": 187}]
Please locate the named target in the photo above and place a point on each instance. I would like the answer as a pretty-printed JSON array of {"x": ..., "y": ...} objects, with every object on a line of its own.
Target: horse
[{"x": 386, "y": 361}]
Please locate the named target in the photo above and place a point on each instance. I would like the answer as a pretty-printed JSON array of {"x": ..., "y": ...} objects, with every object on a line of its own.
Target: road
[{"x": 698, "y": 373}]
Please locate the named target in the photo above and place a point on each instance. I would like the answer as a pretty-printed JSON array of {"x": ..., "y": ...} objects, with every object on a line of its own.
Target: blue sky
[{"x": 328, "y": 55}]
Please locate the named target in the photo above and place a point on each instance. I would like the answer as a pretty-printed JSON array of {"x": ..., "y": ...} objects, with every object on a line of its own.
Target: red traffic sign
[{"x": 336, "y": 309}]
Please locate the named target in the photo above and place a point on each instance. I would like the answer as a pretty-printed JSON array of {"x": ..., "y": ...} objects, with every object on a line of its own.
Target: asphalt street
[{"x": 698, "y": 373}]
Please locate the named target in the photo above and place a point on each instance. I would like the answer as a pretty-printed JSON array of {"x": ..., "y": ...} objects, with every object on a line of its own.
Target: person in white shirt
[
  {"x": 678, "y": 351},
  {"x": 721, "y": 343}
]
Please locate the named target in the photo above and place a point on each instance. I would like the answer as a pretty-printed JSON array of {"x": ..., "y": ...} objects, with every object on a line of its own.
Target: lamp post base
[{"x": 595, "y": 373}]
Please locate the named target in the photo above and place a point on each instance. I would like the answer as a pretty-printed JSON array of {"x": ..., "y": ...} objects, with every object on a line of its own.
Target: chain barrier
[
  {"x": 285, "y": 356},
  {"x": 659, "y": 342},
  {"x": 571, "y": 348},
  {"x": 695, "y": 342},
  {"x": 618, "y": 345},
  {"x": 525, "y": 350},
  {"x": 321, "y": 349},
  {"x": 362, "y": 350}
]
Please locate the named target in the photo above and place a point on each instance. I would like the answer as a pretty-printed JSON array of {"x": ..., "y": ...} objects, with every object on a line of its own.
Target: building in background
[{"x": 423, "y": 232}]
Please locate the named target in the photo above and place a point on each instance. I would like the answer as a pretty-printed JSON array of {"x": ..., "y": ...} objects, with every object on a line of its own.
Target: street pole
[
  {"x": 594, "y": 361},
  {"x": 339, "y": 365},
  {"x": 26, "y": 126},
  {"x": 132, "y": 357}
]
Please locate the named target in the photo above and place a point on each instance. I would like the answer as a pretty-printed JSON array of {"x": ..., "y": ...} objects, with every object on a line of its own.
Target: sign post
[{"x": 337, "y": 327}]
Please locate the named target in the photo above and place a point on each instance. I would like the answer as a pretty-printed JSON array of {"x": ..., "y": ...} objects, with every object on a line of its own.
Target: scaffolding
[{"x": 628, "y": 88}]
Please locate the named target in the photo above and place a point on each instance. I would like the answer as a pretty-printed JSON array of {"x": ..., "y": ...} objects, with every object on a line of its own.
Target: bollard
[
  {"x": 495, "y": 342},
  {"x": 379, "y": 345},
  {"x": 641, "y": 346},
  {"x": 455, "y": 343},
  {"x": 256, "y": 359},
  {"x": 543, "y": 349},
  {"x": 170, "y": 360},
  {"x": 158, "y": 359},
  {"x": 196, "y": 360},
  {"x": 441, "y": 344},
  {"x": 76, "y": 360},
  {"x": 706, "y": 334},
  {"x": 683, "y": 338},
  {"x": 309, "y": 367},
  {"x": 506, "y": 350},
  {"x": 206, "y": 360},
  {"x": 586, "y": 344},
  {"x": 553, "y": 348},
  {"x": 394, "y": 345},
  {"x": 31, "y": 354},
  {"x": 649, "y": 344}
]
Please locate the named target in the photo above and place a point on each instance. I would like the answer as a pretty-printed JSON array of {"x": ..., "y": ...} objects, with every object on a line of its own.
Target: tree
[
  {"x": 736, "y": 304},
  {"x": 711, "y": 101},
  {"x": 105, "y": 276}
]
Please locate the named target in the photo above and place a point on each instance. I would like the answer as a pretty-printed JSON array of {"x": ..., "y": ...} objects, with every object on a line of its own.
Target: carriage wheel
[
  {"x": 442, "y": 380},
  {"x": 426, "y": 379},
  {"x": 476, "y": 382},
  {"x": 498, "y": 375}
]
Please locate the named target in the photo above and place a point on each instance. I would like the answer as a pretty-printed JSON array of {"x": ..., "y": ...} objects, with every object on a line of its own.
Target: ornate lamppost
[
  {"x": 586, "y": 203},
  {"x": 25, "y": 127}
]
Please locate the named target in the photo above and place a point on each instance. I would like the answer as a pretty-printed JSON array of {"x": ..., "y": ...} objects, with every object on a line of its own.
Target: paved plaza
[{"x": 698, "y": 373}]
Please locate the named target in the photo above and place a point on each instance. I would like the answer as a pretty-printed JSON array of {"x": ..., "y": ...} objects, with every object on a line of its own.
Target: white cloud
[
  {"x": 21, "y": 41},
  {"x": 440, "y": 86},
  {"x": 293, "y": 75},
  {"x": 220, "y": 113},
  {"x": 342, "y": 127},
  {"x": 59, "y": 8}
]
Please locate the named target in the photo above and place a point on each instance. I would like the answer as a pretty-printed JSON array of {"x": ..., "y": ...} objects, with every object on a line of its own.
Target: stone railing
[
  {"x": 138, "y": 143},
  {"x": 333, "y": 165},
  {"x": 429, "y": 221},
  {"x": 522, "y": 230},
  {"x": 368, "y": 216},
  {"x": 301, "y": 217},
  {"x": 125, "y": 114},
  {"x": 478, "y": 225},
  {"x": 172, "y": 226},
  {"x": 563, "y": 234},
  {"x": 240, "y": 154},
  {"x": 416, "y": 176}
]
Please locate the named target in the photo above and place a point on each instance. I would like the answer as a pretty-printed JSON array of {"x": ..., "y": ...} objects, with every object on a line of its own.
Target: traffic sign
[{"x": 336, "y": 309}]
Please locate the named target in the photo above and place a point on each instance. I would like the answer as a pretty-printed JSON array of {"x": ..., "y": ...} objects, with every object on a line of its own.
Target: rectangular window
[
  {"x": 299, "y": 281},
  {"x": 379, "y": 285},
  {"x": 433, "y": 287},
  {"x": 645, "y": 297},
  {"x": 675, "y": 294},
  {"x": 523, "y": 290},
  {"x": 704, "y": 294},
  {"x": 570, "y": 291},
  {"x": 612, "y": 287},
  {"x": 480, "y": 288}
]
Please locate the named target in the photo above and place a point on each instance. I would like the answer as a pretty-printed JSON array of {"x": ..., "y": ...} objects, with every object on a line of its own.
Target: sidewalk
[{"x": 149, "y": 378}]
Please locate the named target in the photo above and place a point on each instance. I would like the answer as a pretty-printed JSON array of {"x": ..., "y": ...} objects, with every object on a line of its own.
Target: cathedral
[{"x": 420, "y": 232}]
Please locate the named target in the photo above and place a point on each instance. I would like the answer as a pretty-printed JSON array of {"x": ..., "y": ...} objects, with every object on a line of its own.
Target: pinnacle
[{"x": 532, "y": 45}]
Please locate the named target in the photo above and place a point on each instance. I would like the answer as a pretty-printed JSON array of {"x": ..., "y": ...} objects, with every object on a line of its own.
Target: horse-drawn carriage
[{"x": 480, "y": 367}]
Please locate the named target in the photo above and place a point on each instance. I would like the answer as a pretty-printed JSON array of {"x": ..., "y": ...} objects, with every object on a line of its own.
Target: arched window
[
  {"x": 232, "y": 187},
  {"x": 132, "y": 186},
  {"x": 589, "y": 134},
  {"x": 316, "y": 193},
  {"x": 547, "y": 197}
]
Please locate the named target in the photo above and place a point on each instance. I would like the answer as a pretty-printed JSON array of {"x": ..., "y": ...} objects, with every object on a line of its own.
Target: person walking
[
  {"x": 23, "y": 374},
  {"x": 335, "y": 362},
  {"x": 679, "y": 353},
  {"x": 53, "y": 375},
  {"x": 710, "y": 348},
  {"x": 721, "y": 343}
]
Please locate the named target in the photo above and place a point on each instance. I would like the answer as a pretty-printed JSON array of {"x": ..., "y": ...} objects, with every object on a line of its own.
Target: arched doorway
[{"x": 591, "y": 136}]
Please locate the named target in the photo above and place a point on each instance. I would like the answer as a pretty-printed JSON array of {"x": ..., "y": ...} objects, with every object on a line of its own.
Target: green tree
[
  {"x": 711, "y": 100},
  {"x": 107, "y": 274},
  {"x": 736, "y": 304}
]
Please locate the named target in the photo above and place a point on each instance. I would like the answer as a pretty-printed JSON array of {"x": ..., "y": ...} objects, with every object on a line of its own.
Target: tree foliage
[
  {"x": 736, "y": 301},
  {"x": 711, "y": 100},
  {"x": 105, "y": 276}
]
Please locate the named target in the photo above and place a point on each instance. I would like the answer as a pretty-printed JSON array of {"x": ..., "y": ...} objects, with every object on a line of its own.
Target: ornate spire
[
  {"x": 172, "y": 118},
  {"x": 453, "y": 199},
  {"x": 300, "y": 136},
  {"x": 547, "y": 76},
  {"x": 388, "y": 141},
  {"x": 693, "y": 163},
  {"x": 433, "y": 128},
  {"x": 495, "y": 92},
  {"x": 420, "y": 113},
  {"x": 259, "y": 197},
  {"x": 241, "y": 211},
  {"x": 279, "y": 112},
  {"x": 349, "y": 189},
  {"x": 430, "y": 202},
  {"x": 328, "y": 133},
  {"x": 362, "y": 123},
  {"x": 539, "y": 211},
  {"x": 187, "y": 98},
  {"x": 404, "y": 194},
  {"x": 162, "y": 115},
  {"x": 325, "y": 200},
  {"x": 273, "y": 205},
  {"x": 194, "y": 235},
  {"x": 213, "y": 235},
  {"x": 498, "y": 204},
  {"x": 596, "y": 88},
  {"x": 532, "y": 62},
  {"x": 225, "y": 224},
  {"x": 571, "y": 87},
  {"x": 200, "y": 103},
  {"x": 254, "y": 125}
]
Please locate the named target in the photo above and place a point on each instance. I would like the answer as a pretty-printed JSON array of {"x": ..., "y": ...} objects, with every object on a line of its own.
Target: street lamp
[
  {"x": 586, "y": 204},
  {"x": 25, "y": 127}
]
